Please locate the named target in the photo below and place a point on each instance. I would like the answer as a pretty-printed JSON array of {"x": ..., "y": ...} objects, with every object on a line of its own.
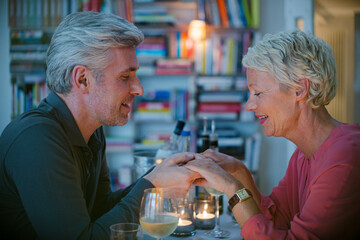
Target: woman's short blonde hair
[{"x": 290, "y": 56}]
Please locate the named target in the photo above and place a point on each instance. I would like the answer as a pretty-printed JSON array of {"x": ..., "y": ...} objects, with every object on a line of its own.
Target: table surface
[{"x": 226, "y": 223}]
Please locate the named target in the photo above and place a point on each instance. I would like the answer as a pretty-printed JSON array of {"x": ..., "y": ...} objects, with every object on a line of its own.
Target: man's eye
[
  {"x": 125, "y": 77},
  {"x": 257, "y": 94}
]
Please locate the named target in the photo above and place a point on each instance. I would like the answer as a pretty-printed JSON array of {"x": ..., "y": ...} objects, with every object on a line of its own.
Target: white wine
[
  {"x": 213, "y": 191},
  {"x": 160, "y": 225}
]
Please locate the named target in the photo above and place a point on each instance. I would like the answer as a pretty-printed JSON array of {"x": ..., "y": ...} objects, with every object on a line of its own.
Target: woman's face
[{"x": 273, "y": 103}]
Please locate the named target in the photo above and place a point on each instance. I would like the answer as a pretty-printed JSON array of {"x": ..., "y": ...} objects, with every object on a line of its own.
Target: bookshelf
[{"x": 182, "y": 79}]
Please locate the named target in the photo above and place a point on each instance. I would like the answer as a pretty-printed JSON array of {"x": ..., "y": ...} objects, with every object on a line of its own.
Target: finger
[
  {"x": 210, "y": 154},
  {"x": 194, "y": 166},
  {"x": 199, "y": 156},
  {"x": 180, "y": 158},
  {"x": 201, "y": 182}
]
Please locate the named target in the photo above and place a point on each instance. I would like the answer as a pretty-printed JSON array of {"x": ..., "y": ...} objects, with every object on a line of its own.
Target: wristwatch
[{"x": 240, "y": 196}]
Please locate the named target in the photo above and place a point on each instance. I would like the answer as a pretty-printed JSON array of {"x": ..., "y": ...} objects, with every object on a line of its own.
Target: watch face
[{"x": 243, "y": 194}]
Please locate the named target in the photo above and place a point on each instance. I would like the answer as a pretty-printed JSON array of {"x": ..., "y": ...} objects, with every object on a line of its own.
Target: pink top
[{"x": 318, "y": 198}]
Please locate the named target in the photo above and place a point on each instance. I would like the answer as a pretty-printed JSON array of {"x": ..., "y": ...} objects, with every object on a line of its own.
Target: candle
[
  {"x": 205, "y": 216},
  {"x": 184, "y": 222}
]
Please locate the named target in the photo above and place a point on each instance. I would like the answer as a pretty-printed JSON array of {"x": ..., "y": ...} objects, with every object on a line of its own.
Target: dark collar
[{"x": 66, "y": 119}]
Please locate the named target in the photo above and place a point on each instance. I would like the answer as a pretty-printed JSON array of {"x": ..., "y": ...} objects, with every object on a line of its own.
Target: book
[
  {"x": 221, "y": 97},
  {"x": 219, "y": 107},
  {"x": 154, "y": 105},
  {"x": 223, "y": 13},
  {"x": 214, "y": 83},
  {"x": 247, "y": 13},
  {"x": 255, "y": 13},
  {"x": 218, "y": 116},
  {"x": 201, "y": 10},
  {"x": 215, "y": 17},
  {"x": 173, "y": 71}
]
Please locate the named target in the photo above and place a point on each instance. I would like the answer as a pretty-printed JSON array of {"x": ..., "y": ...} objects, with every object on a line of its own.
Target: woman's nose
[{"x": 250, "y": 104}]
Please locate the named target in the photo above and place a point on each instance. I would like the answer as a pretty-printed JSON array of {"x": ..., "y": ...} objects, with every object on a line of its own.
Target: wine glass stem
[{"x": 217, "y": 223}]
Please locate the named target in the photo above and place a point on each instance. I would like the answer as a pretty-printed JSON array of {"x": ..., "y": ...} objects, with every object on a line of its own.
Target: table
[{"x": 226, "y": 223}]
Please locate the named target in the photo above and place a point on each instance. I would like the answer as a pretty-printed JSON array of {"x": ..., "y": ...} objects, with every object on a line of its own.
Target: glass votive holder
[
  {"x": 204, "y": 213},
  {"x": 186, "y": 226}
]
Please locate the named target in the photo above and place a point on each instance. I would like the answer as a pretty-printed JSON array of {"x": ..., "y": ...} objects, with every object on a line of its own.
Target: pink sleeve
[{"x": 331, "y": 210}]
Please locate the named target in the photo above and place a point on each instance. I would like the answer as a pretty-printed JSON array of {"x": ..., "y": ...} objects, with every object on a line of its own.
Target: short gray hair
[
  {"x": 290, "y": 56},
  {"x": 84, "y": 38}
]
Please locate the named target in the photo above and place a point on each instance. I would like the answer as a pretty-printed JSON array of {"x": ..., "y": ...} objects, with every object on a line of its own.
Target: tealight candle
[
  {"x": 185, "y": 225},
  {"x": 203, "y": 214}
]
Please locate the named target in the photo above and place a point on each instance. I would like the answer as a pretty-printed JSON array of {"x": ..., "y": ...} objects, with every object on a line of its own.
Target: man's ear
[
  {"x": 80, "y": 75},
  {"x": 302, "y": 93}
]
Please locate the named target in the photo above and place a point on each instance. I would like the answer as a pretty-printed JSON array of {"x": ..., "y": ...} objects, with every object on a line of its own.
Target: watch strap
[{"x": 240, "y": 196}]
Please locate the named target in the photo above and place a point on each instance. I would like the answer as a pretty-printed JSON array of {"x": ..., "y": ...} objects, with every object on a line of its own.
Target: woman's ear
[
  {"x": 302, "y": 93},
  {"x": 80, "y": 79}
]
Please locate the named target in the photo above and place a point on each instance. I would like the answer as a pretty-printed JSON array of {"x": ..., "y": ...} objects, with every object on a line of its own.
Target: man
[{"x": 54, "y": 179}]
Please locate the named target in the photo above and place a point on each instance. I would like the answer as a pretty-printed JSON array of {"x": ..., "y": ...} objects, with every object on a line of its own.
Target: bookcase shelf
[{"x": 185, "y": 83}]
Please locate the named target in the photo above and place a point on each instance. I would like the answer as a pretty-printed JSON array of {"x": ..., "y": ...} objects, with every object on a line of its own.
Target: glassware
[
  {"x": 186, "y": 225},
  {"x": 185, "y": 141},
  {"x": 126, "y": 231},
  {"x": 204, "y": 213},
  {"x": 159, "y": 212},
  {"x": 205, "y": 136},
  {"x": 217, "y": 232},
  {"x": 143, "y": 161},
  {"x": 214, "y": 138},
  {"x": 172, "y": 145}
]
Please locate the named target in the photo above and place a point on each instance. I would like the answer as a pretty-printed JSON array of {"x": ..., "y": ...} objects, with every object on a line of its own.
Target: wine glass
[
  {"x": 126, "y": 231},
  {"x": 159, "y": 212},
  {"x": 217, "y": 232}
]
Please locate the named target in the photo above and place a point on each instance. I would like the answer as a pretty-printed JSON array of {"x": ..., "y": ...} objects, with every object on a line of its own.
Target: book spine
[
  {"x": 255, "y": 13},
  {"x": 201, "y": 10},
  {"x": 12, "y": 13},
  {"x": 223, "y": 13}
]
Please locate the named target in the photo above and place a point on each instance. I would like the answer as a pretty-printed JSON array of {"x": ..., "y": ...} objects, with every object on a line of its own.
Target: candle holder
[
  {"x": 186, "y": 225},
  {"x": 204, "y": 213}
]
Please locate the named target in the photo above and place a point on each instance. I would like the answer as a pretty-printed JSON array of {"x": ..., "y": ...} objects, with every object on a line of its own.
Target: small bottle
[
  {"x": 185, "y": 140},
  {"x": 214, "y": 138},
  {"x": 170, "y": 146},
  {"x": 205, "y": 137}
]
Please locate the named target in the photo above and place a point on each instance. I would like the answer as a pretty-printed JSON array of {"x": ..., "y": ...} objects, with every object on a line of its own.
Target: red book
[
  {"x": 95, "y": 5},
  {"x": 214, "y": 107},
  {"x": 173, "y": 71},
  {"x": 154, "y": 105}
]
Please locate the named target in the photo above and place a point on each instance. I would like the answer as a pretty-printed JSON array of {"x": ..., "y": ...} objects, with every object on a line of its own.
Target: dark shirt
[{"x": 55, "y": 186}]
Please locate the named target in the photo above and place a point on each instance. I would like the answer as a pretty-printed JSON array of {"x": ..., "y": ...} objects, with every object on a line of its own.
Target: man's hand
[{"x": 172, "y": 174}]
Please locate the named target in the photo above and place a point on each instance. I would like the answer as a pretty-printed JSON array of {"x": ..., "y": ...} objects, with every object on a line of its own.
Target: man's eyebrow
[{"x": 130, "y": 69}]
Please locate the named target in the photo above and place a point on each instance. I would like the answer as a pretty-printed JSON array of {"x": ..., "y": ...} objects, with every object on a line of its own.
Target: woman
[{"x": 291, "y": 77}]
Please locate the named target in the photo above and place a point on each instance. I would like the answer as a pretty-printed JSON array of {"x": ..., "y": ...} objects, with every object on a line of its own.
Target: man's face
[{"x": 111, "y": 98}]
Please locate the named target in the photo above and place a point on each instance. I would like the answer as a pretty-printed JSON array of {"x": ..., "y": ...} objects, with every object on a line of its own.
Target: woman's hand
[
  {"x": 212, "y": 175},
  {"x": 228, "y": 163},
  {"x": 236, "y": 168}
]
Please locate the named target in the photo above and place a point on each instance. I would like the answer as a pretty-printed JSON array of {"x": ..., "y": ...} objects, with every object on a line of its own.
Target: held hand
[
  {"x": 237, "y": 169},
  {"x": 228, "y": 163},
  {"x": 212, "y": 175},
  {"x": 171, "y": 174}
]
